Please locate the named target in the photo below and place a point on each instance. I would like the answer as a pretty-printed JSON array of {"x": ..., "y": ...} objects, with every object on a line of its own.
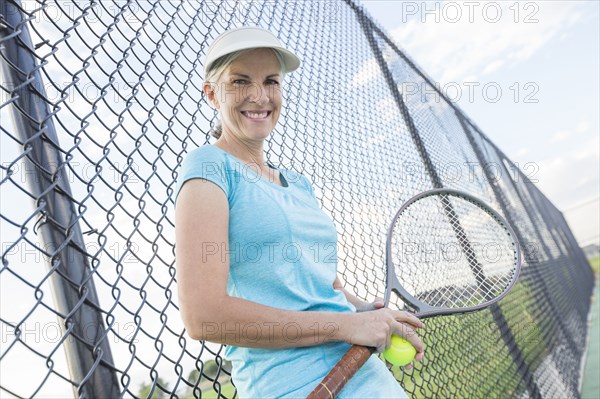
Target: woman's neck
[{"x": 248, "y": 152}]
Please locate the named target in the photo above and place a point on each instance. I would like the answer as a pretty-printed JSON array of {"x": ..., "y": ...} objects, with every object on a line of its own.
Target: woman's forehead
[{"x": 258, "y": 60}]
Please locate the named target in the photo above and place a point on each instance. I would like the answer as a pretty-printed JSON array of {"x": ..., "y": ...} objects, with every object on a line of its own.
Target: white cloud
[
  {"x": 452, "y": 51},
  {"x": 583, "y": 126},
  {"x": 493, "y": 66},
  {"x": 521, "y": 153},
  {"x": 573, "y": 175},
  {"x": 368, "y": 72},
  {"x": 561, "y": 135},
  {"x": 465, "y": 51},
  {"x": 590, "y": 149},
  {"x": 376, "y": 140}
]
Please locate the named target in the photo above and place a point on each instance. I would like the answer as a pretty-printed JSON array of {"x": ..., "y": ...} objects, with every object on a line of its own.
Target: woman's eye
[{"x": 239, "y": 82}]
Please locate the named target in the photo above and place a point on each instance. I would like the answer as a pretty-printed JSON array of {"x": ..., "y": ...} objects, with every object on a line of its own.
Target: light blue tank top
[{"x": 283, "y": 253}]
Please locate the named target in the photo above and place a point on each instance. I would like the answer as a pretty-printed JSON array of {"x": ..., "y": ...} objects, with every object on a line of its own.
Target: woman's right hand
[{"x": 375, "y": 328}]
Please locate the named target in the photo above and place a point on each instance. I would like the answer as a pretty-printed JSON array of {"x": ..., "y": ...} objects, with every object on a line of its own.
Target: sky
[
  {"x": 551, "y": 131},
  {"x": 534, "y": 72}
]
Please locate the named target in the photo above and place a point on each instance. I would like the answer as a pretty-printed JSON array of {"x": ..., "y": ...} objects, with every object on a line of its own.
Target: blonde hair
[{"x": 218, "y": 68}]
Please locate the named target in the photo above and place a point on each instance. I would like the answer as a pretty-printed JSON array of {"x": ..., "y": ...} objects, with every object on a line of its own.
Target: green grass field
[
  {"x": 591, "y": 383},
  {"x": 227, "y": 390},
  {"x": 595, "y": 263}
]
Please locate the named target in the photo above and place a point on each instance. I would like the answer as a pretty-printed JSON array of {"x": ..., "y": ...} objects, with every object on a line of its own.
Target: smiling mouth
[{"x": 256, "y": 115}]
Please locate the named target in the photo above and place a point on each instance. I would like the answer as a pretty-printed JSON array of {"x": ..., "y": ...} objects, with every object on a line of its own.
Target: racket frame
[{"x": 424, "y": 310}]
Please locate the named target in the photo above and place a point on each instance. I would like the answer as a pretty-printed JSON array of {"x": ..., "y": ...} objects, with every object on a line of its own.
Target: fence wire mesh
[{"x": 101, "y": 100}]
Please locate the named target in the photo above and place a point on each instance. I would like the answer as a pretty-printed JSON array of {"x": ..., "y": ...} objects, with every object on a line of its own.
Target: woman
[{"x": 254, "y": 264}]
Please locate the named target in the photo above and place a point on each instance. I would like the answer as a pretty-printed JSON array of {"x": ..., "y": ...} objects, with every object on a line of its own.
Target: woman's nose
[{"x": 260, "y": 94}]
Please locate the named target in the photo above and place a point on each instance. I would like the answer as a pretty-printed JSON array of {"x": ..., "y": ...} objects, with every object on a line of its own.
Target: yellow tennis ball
[{"x": 400, "y": 353}]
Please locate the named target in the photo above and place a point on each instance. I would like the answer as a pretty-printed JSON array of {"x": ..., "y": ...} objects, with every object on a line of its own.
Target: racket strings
[{"x": 451, "y": 252}]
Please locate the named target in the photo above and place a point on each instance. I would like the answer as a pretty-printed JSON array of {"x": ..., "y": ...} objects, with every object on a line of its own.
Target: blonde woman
[{"x": 256, "y": 264}]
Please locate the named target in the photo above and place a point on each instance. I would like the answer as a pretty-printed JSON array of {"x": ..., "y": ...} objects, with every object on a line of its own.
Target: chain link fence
[{"x": 101, "y": 100}]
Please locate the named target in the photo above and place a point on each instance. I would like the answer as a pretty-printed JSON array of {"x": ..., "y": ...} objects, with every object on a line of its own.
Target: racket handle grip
[{"x": 341, "y": 373}]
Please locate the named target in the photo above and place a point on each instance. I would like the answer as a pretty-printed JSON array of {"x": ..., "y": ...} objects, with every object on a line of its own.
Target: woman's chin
[{"x": 258, "y": 134}]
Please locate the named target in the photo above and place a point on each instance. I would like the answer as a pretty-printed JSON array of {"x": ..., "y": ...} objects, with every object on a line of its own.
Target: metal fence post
[{"x": 88, "y": 353}]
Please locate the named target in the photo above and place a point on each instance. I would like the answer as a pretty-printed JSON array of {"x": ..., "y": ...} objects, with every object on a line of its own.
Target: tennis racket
[{"x": 447, "y": 252}]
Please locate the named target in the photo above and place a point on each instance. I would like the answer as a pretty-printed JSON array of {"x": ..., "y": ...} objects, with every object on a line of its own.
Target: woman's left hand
[{"x": 378, "y": 304}]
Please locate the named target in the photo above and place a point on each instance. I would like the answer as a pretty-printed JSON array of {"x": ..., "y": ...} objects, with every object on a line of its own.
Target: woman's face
[{"x": 248, "y": 95}]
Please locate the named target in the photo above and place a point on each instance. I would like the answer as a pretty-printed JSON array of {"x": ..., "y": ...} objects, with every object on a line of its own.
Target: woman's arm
[{"x": 208, "y": 313}]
